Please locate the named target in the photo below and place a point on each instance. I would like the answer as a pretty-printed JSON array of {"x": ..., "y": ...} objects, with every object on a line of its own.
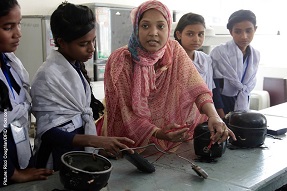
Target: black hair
[
  {"x": 96, "y": 105},
  {"x": 5, "y": 102},
  {"x": 6, "y": 6},
  {"x": 239, "y": 16},
  {"x": 70, "y": 22},
  {"x": 188, "y": 19}
]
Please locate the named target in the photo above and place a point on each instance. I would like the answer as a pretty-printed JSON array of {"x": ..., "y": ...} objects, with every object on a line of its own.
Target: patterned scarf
[{"x": 144, "y": 74}]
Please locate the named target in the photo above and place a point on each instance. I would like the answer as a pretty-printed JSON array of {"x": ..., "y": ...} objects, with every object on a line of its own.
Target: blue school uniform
[
  {"x": 221, "y": 101},
  {"x": 11, "y": 95}
]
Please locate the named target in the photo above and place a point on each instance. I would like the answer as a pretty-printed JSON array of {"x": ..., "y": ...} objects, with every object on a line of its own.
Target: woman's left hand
[{"x": 218, "y": 130}]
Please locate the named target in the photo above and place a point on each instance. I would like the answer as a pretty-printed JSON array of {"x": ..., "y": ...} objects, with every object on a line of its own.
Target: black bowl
[{"x": 82, "y": 171}]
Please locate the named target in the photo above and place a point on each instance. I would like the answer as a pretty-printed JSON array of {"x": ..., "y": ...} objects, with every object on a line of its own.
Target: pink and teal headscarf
[
  {"x": 136, "y": 14},
  {"x": 144, "y": 74}
]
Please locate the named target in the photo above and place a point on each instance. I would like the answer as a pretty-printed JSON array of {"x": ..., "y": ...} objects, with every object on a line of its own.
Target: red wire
[{"x": 167, "y": 150}]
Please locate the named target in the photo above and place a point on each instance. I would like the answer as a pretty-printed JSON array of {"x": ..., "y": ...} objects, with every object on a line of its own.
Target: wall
[
  {"x": 272, "y": 62},
  {"x": 43, "y": 7},
  {"x": 269, "y": 13},
  {"x": 270, "y": 16}
]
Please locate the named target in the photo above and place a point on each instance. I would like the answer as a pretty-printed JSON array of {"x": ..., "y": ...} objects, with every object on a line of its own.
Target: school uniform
[
  {"x": 203, "y": 64},
  {"x": 14, "y": 120},
  {"x": 234, "y": 76},
  {"x": 61, "y": 105}
]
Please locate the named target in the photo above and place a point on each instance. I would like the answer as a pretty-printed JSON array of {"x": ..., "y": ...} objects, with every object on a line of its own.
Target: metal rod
[
  {"x": 143, "y": 147},
  {"x": 199, "y": 171}
]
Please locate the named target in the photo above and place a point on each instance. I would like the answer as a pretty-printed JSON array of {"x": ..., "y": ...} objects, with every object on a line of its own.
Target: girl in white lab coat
[{"x": 15, "y": 154}]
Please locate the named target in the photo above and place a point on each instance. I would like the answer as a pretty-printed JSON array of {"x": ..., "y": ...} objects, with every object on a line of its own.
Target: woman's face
[
  {"x": 81, "y": 49},
  {"x": 153, "y": 30},
  {"x": 191, "y": 37},
  {"x": 10, "y": 30},
  {"x": 243, "y": 33}
]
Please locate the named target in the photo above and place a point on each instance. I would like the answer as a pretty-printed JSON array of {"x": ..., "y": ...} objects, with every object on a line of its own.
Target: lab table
[
  {"x": 254, "y": 169},
  {"x": 279, "y": 110},
  {"x": 262, "y": 168}
]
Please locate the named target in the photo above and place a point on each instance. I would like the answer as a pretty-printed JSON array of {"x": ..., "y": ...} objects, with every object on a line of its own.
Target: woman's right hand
[{"x": 173, "y": 133}]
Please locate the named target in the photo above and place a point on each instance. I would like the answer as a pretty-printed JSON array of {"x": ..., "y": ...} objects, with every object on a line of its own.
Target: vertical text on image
[{"x": 5, "y": 147}]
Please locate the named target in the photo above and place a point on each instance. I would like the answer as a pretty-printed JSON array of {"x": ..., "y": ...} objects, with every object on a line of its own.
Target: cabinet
[{"x": 277, "y": 89}]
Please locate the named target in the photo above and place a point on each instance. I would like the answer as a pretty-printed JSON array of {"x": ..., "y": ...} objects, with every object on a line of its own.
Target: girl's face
[
  {"x": 81, "y": 49},
  {"x": 10, "y": 30},
  {"x": 243, "y": 34},
  {"x": 191, "y": 37},
  {"x": 153, "y": 30}
]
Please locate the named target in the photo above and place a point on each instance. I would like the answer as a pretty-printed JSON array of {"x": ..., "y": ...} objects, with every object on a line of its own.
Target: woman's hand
[
  {"x": 173, "y": 133},
  {"x": 31, "y": 174},
  {"x": 218, "y": 130}
]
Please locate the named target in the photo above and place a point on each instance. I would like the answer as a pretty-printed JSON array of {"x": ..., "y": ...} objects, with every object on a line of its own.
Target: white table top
[
  {"x": 277, "y": 110},
  {"x": 240, "y": 169},
  {"x": 260, "y": 169}
]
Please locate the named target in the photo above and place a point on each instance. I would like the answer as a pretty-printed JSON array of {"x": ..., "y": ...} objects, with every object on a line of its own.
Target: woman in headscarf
[
  {"x": 152, "y": 88},
  {"x": 235, "y": 65}
]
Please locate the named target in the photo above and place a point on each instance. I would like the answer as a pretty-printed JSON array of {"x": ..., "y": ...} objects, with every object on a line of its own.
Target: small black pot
[
  {"x": 202, "y": 141},
  {"x": 250, "y": 128},
  {"x": 82, "y": 171}
]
